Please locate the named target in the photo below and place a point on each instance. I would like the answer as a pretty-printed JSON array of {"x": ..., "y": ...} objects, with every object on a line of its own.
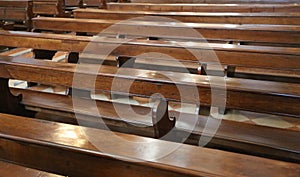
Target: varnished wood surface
[
  {"x": 66, "y": 143},
  {"x": 234, "y": 135},
  {"x": 251, "y": 56},
  {"x": 9, "y": 169},
  {"x": 256, "y": 94},
  {"x": 205, "y": 7},
  {"x": 217, "y": 1},
  {"x": 246, "y": 32},
  {"x": 198, "y": 17}
]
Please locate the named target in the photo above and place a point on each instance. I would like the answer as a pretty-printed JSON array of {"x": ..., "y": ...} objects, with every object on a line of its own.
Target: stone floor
[{"x": 282, "y": 122}]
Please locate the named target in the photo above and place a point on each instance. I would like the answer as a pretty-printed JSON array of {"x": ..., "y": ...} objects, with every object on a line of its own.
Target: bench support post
[
  {"x": 160, "y": 117},
  {"x": 9, "y": 103}
]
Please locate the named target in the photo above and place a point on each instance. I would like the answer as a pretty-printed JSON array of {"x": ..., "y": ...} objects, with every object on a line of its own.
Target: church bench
[
  {"x": 196, "y": 17},
  {"x": 244, "y": 139},
  {"x": 260, "y": 138},
  {"x": 251, "y": 56},
  {"x": 204, "y": 7},
  {"x": 256, "y": 94},
  {"x": 10, "y": 169},
  {"x": 49, "y": 7},
  {"x": 68, "y": 150},
  {"x": 279, "y": 58},
  {"x": 218, "y": 1},
  {"x": 19, "y": 11},
  {"x": 246, "y": 34},
  {"x": 73, "y": 4}
]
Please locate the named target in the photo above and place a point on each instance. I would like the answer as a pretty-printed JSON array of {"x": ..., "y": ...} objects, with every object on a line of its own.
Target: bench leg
[
  {"x": 9, "y": 103},
  {"x": 162, "y": 123}
]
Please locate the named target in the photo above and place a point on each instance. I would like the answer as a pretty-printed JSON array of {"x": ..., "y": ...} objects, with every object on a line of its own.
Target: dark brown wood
[
  {"x": 193, "y": 7},
  {"x": 9, "y": 103},
  {"x": 198, "y": 17},
  {"x": 10, "y": 169},
  {"x": 23, "y": 142},
  {"x": 246, "y": 33},
  {"x": 256, "y": 94},
  {"x": 49, "y": 7},
  {"x": 19, "y": 11}
]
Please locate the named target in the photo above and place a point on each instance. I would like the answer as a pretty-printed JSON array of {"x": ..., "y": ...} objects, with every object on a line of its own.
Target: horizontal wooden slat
[
  {"x": 199, "y": 17},
  {"x": 205, "y": 7},
  {"x": 289, "y": 34},
  {"x": 218, "y": 1}
]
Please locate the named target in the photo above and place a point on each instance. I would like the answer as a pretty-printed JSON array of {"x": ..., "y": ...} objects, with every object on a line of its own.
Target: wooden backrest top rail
[
  {"x": 15, "y": 3},
  {"x": 10, "y": 169},
  {"x": 262, "y": 137},
  {"x": 205, "y": 7},
  {"x": 288, "y": 34},
  {"x": 264, "y": 57},
  {"x": 62, "y": 149},
  {"x": 199, "y": 17},
  {"x": 256, "y": 94},
  {"x": 218, "y": 1}
]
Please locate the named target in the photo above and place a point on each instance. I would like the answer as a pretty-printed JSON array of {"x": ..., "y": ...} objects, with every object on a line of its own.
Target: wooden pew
[
  {"x": 262, "y": 139},
  {"x": 229, "y": 55},
  {"x": 218, "y": 1},
  {"x": 245, "y": 34},
  {"x": 49, "y": 7},
  {"x": 73, "y": 4},
  {"x": 204, "y": 7},
  {"x": 197, "y": 17},
  {"x": 251, "y": 56},
  {"x": 256, "y": 94},
  {"x": 19, "y": 11},
  {"x": 10, "y": 169},
  {"x": 43, "y": 143}
]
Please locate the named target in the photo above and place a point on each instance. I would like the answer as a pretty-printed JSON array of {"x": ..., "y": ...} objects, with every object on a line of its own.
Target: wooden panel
[
  {"x": 263, "y": 33},
  {"x": 199, "y": 17},
  {"x": 256, "y": 94},
  {"x": 22, "y": 141},
  {"x": 205, "y": 7}
]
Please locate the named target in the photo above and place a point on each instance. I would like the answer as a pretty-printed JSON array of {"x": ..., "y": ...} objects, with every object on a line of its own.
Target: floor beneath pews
[{"x": 282, "y": 122}]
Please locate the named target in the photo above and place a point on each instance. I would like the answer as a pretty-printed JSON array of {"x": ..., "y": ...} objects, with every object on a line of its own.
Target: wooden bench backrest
[
  {"x": 245, "y": 33},
  {"x": 204, "y": 7},
  {"x": 48, "y": 7},
  {"x": 197, "y": 17}
]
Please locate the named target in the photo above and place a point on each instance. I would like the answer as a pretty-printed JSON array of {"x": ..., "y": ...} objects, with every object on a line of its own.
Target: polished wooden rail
[
  {"x": 204, "y": 7},
  {"x": 65, "y": 149},
  {"x": 245, "y": 33},
  {"x": 256, "y": 94},
  {"x": 197, "y": 17}
]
